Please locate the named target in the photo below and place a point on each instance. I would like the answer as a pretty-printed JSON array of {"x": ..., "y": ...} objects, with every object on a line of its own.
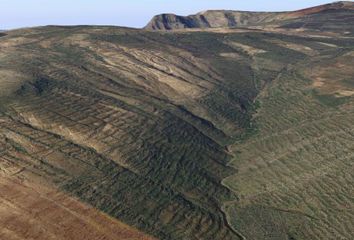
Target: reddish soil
[{"x": 33, "y": 211}]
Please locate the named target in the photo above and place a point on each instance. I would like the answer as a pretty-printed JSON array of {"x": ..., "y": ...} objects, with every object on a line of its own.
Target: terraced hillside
[
  {"x": 133, "y": 123},
  {"x": 206, "y": 134},
  {"x": 295, "y": 175}
]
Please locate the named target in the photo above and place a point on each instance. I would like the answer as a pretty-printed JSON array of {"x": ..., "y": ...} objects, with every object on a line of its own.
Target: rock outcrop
[{"x": 232, "y": 19}]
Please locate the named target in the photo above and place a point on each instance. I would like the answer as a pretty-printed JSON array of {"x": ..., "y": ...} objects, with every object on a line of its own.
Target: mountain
[
  {"x": 118, "y": 133},
  {"x": 325, "y": 16},
  {"x": 127, "y": 121}
]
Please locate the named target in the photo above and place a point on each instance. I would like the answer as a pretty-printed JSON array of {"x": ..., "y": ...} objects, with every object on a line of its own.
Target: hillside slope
[
  {"x": 295, "y": 175},
  {"x": 127, "y": 122},
  {"x": 334, "y": 16},
  {"x": 207, "y": 134}
]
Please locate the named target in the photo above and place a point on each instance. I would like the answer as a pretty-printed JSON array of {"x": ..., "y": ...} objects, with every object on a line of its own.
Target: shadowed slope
[{"x": 127, "y": 122}]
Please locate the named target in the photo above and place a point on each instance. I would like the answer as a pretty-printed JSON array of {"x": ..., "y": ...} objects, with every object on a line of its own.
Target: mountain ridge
[{"x": 230, "y": 18}]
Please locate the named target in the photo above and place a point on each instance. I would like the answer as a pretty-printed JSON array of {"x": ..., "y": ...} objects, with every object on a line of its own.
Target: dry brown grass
[{"x": 331, "y": 76}]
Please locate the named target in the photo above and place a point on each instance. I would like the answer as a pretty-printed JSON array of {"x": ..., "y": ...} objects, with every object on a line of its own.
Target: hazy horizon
[{"x": 136, "y": 13}]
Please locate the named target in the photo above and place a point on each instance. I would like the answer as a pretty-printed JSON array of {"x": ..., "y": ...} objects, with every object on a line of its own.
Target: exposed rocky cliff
[{"x": 231, "y": 19}]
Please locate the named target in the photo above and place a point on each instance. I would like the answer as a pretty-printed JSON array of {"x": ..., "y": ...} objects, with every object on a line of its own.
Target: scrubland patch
[
  {"x": 334, "y": 76},
  {"x": 294, "y": 175},
  {"x": 10, "y": 81},
  {"x": 139, "y": 125}
]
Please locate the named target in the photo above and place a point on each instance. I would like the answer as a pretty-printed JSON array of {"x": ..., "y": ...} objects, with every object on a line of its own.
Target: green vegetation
[
  {"x": 330, "y": 100},
  {"x": 294, "y": 174},
  {"x": 186, "y": 135}
]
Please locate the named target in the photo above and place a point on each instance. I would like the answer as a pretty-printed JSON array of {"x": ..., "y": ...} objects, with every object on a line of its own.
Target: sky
[{"x": 130, "y": 13}]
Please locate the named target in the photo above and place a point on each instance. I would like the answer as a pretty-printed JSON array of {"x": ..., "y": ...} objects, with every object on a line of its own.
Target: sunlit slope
[
  {"x": 337, "y": 17},
  {"x": 295, "y": 175},
  {"x": 143, "y": 125}
]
